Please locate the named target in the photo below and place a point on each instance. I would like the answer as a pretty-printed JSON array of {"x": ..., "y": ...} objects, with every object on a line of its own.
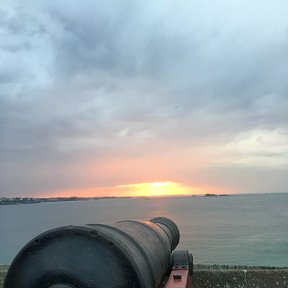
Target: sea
[{"x": 232, "y": 230}]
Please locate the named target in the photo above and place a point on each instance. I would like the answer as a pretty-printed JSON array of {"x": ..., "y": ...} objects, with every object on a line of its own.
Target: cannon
[{"x": 135, "y": 254}]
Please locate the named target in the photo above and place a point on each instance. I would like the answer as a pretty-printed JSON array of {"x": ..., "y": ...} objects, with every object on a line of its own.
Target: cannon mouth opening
[{"x": 171, "y": 229}]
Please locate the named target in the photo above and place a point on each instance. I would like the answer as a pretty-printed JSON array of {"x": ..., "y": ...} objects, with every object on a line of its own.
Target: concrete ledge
[
  {"x": 217, "y": 276},
  {"x": 3, "y": 271},
  {"x": 239, "y": 277}
]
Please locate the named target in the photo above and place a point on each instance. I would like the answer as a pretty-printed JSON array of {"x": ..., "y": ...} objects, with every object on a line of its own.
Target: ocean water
[{"x": 239, "y": 229}]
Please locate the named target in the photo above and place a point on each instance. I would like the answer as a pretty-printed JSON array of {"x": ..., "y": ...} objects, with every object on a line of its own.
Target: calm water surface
[{"x": 246, "y": 229}]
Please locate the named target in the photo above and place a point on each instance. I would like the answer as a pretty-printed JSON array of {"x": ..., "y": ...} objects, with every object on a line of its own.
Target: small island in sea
[{"x": 215, "y": 195}]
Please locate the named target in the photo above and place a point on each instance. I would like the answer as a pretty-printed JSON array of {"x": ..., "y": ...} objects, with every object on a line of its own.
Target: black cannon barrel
[{"x": 125, "y": 254}]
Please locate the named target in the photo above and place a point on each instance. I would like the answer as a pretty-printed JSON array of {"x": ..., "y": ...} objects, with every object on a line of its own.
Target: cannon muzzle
[{"x": 126, "y": 254}]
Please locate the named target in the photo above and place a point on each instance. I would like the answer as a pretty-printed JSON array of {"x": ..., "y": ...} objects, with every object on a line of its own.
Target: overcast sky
[{"x": 97, "y": 94}]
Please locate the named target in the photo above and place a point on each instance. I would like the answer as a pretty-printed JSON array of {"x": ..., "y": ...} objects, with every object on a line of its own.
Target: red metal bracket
[{"x": 179, "y": 278}]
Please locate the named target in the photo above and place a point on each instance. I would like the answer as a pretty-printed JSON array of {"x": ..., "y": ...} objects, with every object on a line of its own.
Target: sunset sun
[{"x": 157, "y": 189}]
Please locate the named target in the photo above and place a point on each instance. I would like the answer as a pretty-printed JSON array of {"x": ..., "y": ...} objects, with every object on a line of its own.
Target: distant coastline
[
  {"x": 34, "y": 200},
  {"x": 31, "y": 200}
]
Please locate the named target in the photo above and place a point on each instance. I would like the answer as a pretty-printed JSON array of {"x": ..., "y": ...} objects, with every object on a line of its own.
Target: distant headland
[{"x": 31, "y": 200}]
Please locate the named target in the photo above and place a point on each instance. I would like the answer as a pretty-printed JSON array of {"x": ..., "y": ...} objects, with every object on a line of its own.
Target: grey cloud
[
  {"x": 239, "y": 179},
  {"x": 90, "y": 70}
]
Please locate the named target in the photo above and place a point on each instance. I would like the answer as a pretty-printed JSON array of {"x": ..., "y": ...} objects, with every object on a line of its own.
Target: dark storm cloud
[
  {"x": 217, "y": 70},
  {"x": 96, "y": 77}
]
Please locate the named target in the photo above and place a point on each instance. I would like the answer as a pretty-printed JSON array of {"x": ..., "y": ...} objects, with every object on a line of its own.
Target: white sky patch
[
  {"x": 140, "y": 135},
  {"x": 263, "y": 148},
  {"x": 94, "y": 142},
  {"x": 85, "y": 143}
]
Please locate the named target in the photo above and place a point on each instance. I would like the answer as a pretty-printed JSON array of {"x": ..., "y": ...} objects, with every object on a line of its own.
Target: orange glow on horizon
[
  {"x": 146, "y": 189},
  {"x": 158, "y": 189}
]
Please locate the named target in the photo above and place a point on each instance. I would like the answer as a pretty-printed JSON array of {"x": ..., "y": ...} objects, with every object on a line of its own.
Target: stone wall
[
  {"x": 227, "y": 277},
  {"x": 3, "y": 270},
  {"x": 240, "y": 277}
]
